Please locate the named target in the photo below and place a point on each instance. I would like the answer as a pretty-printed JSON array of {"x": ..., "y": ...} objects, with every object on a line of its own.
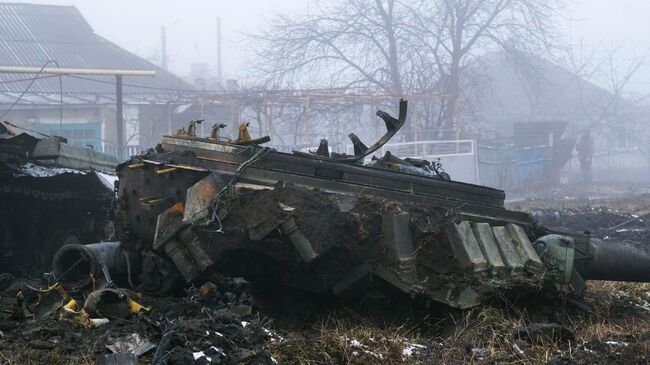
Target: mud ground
[{"x": 611, "y": 324}]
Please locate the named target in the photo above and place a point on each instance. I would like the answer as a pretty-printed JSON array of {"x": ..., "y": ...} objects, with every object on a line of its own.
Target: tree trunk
[{"x": 451, "y": 100}]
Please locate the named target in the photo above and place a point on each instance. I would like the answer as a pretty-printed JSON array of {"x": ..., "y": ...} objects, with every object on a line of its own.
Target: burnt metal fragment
[
  {"x": 331, "y": 225},
  {"x": 58, "y": 194}
]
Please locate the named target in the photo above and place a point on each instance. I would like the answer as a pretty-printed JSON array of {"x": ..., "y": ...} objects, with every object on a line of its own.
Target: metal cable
[{"x": 32, "y": 83}]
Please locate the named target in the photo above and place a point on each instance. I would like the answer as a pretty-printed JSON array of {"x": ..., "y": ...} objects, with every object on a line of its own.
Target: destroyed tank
[
  {"x": 332, "y": 224},
  {"x": 52, "y": 194}
]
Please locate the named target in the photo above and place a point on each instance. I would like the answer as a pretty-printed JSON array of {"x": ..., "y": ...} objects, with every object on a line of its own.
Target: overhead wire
[
  {"x": 27, "y": 129},
  {"x": 33, "y": 79},
  {"x": 27, "y": 79}
]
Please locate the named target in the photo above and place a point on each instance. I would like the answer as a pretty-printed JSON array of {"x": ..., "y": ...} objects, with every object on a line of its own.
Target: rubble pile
[{"x": 216, "y": 323}]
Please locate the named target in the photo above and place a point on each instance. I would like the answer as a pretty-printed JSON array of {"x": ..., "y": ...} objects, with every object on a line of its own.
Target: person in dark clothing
[{"x": 585, "y": 149}]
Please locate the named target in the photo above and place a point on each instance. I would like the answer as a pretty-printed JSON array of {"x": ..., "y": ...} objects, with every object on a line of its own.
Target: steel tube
[{"x": 616, "y": 261}]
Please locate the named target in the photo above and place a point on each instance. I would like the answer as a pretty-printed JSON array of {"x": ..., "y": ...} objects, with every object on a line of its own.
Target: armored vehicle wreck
[
  {"x": 52, "y": 194},
  {"x": 328, "y": 223}
]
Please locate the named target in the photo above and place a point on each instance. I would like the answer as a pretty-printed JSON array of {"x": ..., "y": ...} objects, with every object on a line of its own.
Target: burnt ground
[{"x": 283, "y": 326}]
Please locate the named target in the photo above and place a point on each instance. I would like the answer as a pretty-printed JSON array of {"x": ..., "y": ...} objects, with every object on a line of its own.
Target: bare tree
[
  {"x": 610, "y": 103},
  {"x": 454, "y": 30},
  {"x": 342, "y": 44},
  {"x": 399, "y": 47},
  {"x": 603, "y": 78}
]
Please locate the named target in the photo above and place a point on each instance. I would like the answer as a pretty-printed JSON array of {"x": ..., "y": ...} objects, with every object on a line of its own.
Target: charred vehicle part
[
  {"x": 330, "y": 224},
  {"x": 53, "y": 194}
]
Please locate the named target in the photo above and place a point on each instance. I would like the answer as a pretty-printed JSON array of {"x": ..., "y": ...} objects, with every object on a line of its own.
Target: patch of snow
[
  {"x": 588, "y": 350},
  {"x": 643, "y": 305},
  {"x": 244, "y": 324},
  {"x": 479, "y": 353},
  {"x": 356, "y": 343},
  {"x": 107, "y": 179},
  {"x": 412, "y": 348},
  {"x": 273, "y": 336},
  {"x": 616, "y": 343},
  {"x": 623, "y": 230},
  {"x": 42, "y": 171},
  {"x": 200, "y": 354},
  {"x": 218, "y": 350}
]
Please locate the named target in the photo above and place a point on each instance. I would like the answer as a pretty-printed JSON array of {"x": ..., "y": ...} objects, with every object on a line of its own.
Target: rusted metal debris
[
  {"x": 53, "y": 194},
  {"x": 329, "y": 224}
]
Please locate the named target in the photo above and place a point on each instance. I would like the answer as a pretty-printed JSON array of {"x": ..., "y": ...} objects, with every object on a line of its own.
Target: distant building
[
  {"x": 31, "y": 35},
  {"x": 528, "y": 88},
  {"x": 533, "y": 101}
]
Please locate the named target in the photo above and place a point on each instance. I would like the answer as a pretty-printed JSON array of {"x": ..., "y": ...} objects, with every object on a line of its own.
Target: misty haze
[{"x": 324, "y": 182}]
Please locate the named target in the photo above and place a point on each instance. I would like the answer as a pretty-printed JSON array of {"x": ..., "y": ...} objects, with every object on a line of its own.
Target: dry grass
[
  {"x": 345, "y": 342},
  {"x": 616, "y": 331}
]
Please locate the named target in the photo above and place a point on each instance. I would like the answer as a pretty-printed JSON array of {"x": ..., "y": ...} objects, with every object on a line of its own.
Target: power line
[
  {"x": 36, "y": 77},
  {"x": 27, "y": 79}
]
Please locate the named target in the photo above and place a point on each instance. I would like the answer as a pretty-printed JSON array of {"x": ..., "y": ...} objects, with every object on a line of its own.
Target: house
[
  {"x": 532, "y": 101},
  {"x": 81, "y": 108}
]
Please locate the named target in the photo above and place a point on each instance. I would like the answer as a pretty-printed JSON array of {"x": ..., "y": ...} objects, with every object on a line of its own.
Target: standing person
[{"x": 585, "y": 149}]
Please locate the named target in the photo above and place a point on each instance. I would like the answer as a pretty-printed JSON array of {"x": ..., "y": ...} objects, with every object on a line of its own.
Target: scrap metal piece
[
  {"x": 117, "y": 359},
  {"x": 299, "y": 241},
  {"x": 53, "y": 152},
  {"x": 201, "y": 197},
  {"x": 508, "y": 252},
  {"x": 557, "y": 252},
  {"x": 175, "y": 238},
  {"x": 244, "y": 135},
  {"x": 45, "y": 302},
  {"x": 191, "y": 128},
  {"x": 524, "y": 248},
  {"x": 397, "y": 237},
  {"x": 58, "y": 194},
  {"x": 467, "y": 249},
  {"x": 323, "y": 148},
  {"x": 131, "y": 344},
  {"x": 108, "y": 303},
  {"x": 359, "y": 147},
  {"x": 393, "y": 125},
  {"x": 485, "y": 238},
  {"x": 78, "y": 267},
  {"x": 216, "y": 127},
  {"x": 244, "y": 138}
]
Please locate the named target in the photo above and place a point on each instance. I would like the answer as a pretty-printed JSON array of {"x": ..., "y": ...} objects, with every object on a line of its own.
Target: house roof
[
  {"x": 31, "y": 35},
  {"x": 530, "y": 88}
]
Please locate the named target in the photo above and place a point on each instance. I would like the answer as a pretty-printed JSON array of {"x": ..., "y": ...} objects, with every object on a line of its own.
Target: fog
[
  {"x": 535, "y": 79},
  {"x": 135, "y": 25}
]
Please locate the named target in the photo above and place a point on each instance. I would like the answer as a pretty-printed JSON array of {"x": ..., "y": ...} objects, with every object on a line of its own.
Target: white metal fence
[{"x": 458, "y": 156}]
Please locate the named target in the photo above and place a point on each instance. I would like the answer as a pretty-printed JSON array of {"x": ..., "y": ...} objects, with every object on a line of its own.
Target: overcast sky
[{"x": 135, "y": 25}]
